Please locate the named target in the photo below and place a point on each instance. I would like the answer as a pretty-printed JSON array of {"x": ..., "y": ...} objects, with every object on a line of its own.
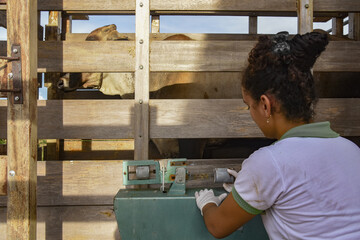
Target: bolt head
[
  {"x": 141, "y": 41},
  {"x": 10, "y": 75},
  {"x": 12, "y": 173},
  {"x": 141, "y": 4},
  {"x": 140, "y": 101},
  {"x": 306, "y": 5},
  {"x": 15, "y": 50},
  {"x": 16, "y": 98},
  {"x": 141, "y": 66}
]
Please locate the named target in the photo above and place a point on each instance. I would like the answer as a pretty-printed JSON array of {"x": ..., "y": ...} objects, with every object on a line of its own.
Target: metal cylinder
[
  {"x": 222, "y": 176},
  {"x": 143, "y": 172}
]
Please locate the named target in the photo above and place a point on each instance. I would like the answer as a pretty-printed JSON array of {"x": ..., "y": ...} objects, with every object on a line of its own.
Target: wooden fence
[{"x": 74, "y": 198}]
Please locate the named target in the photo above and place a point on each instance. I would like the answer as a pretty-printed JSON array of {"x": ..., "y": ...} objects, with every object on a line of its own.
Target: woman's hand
[
  {"x": 206, "y": 196},
  {"x": 228, "y": 186}
]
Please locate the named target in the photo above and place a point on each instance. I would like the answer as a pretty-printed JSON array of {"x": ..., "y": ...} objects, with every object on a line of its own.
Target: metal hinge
[{"x": 15, "y": 75}]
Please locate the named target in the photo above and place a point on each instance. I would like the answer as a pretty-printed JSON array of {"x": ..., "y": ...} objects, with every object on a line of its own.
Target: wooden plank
[
  {"x": 162, "y": 36},
  {"x": 72, "y": 223},
  {"x": 155, "y": 24},
  {"x": 253, "y": 25},
  {"x": 199, "y": 55},
  {"x": 142, "y": 78},
  {"x": 3, "y": 76},
  {"x": 3, "y": 19},
  {"x": 354, "y": 26},
  {"x": 66, "y": 25},
  {"x": 22, "y": 124},
  {"x": 52, "y": 33},
  {"x": 109, "y": 119},
  {"x": 3, "y": 48},
  {"x": 194, "y": 118},
  {"x": 337, "y": 27},
  {"x": 209, "y": 56},
  {"x": 305, "y": 16},
  {"x": 97, "y": 182},
  {"x": 3, "y": 175},
  {"x": 75, "y": 56},
  {"x": 339, "y": 57},
  {"x": 199, "y": 6}
]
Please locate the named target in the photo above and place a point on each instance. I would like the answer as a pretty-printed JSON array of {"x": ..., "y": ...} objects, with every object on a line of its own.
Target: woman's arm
[{"x": 223, "y": 220}]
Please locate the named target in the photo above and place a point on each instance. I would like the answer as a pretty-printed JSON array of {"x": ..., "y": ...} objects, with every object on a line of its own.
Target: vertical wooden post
[
  {"x": 142, "y": 75},
  {"x": 66, "y": 26},
  {"x": 22, "y": 123},
  {"x": 52, "y": 33},
  {"x": 354, "y": 26},
  {"x": 337, "y": 28},
  {"x": 253, "y": 22},
  {"x": 305, "y": 16},
  {"x": 155, "y": 24},
  {"x": 3, "y": 175}
]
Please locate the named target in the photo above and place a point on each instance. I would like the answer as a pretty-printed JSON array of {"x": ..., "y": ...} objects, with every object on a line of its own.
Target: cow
[{"x": 162, "y": 86}]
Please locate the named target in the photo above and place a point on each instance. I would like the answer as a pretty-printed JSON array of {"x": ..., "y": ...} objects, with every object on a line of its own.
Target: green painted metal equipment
[{"x": 173, "y": 214}]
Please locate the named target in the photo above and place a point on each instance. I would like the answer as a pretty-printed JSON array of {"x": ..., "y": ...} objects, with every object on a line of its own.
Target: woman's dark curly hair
[{"x": 282, "y": 68}]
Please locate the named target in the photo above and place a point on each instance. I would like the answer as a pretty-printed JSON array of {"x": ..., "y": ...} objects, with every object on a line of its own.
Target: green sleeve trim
[{"x": 243, "y": 204}]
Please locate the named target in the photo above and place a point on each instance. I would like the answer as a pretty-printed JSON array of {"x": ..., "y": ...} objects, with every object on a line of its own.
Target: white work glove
[
  {"x": 207, "y": 196},
  {"x": 228, "y": 186}
]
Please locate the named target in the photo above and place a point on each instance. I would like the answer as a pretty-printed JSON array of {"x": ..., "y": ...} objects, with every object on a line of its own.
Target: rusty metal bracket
[{"x": 15, "y": 74}]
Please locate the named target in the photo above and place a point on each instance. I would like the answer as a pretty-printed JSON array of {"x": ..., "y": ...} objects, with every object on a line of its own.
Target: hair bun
[{"x": 307, "y": 48}]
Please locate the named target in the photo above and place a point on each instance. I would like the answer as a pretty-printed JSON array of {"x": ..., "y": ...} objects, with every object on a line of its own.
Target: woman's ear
[{"x": 266, "y": 105}]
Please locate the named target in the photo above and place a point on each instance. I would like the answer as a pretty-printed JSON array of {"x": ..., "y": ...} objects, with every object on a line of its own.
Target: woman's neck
[{"x": 282, "y": 125}]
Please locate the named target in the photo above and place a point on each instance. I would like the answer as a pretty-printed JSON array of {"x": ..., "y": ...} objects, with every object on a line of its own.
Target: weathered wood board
[
  {"x": 3, "y": 175},
  {"x": 71, "y": 223},
  {"x": 22, "y": 26},
  {"x": 181, "y": 118},
  {"x": 210, "y": 56},
  {"x": 97, "y": 182},
  {"x": 208, "y": 5}
]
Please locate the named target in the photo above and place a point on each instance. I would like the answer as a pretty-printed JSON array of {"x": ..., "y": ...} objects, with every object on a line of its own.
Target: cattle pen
[{"x": 69, "y": 194}]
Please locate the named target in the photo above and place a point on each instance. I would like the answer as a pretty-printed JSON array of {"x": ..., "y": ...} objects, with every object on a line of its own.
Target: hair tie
[{"x": 280, "y": 44}]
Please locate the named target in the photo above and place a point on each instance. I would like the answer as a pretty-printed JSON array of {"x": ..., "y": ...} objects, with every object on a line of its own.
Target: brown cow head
[{"x": 71, "y": 82}]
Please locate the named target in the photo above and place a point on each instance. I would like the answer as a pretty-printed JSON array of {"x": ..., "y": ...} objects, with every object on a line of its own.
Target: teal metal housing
[{"x": 155, "y": 215}]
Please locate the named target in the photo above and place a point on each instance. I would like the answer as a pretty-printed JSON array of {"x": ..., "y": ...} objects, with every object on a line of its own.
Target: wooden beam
[
  {"x": 337, "y": 27},
  {"x": 52, "y": 33},
  {"x": 72, "y": 222},
  {"x": 219, "y": 56},
  {"x": 199, "y": 6},
  {"x": 22, "y": 124},
  {"x": 354, "y": 26},
  {"x": 66, "y": 25},
  {"x": 142, "y": 78},
  {"x": 185, "y": 118},
  {"x": 339, "y": 56},
  {"x": 3, "y": 175},
  {"x": 253, "y": 25},
  {"x": 155, "y": 24},
  {"x": 97, "y": 182},
  {"x": 3, "y": 19},
  {"x": 3, "y": 76},
  {"x": 76, "y": 37},
  {"x": 194, "y": 118},
  {"x": 305, "y": 16},
  {"x": 75, "y": 56}
]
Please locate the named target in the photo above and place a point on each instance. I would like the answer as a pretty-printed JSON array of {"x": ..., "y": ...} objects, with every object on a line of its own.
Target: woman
[{"x": 307, "y": 184}]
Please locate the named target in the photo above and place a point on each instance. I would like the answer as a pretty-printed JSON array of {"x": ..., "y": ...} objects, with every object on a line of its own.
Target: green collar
[{"x": 315, "y": 130}]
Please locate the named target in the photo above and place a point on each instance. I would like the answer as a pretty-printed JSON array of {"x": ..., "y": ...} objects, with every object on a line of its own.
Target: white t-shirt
[{"x": 305, "y": 187}]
